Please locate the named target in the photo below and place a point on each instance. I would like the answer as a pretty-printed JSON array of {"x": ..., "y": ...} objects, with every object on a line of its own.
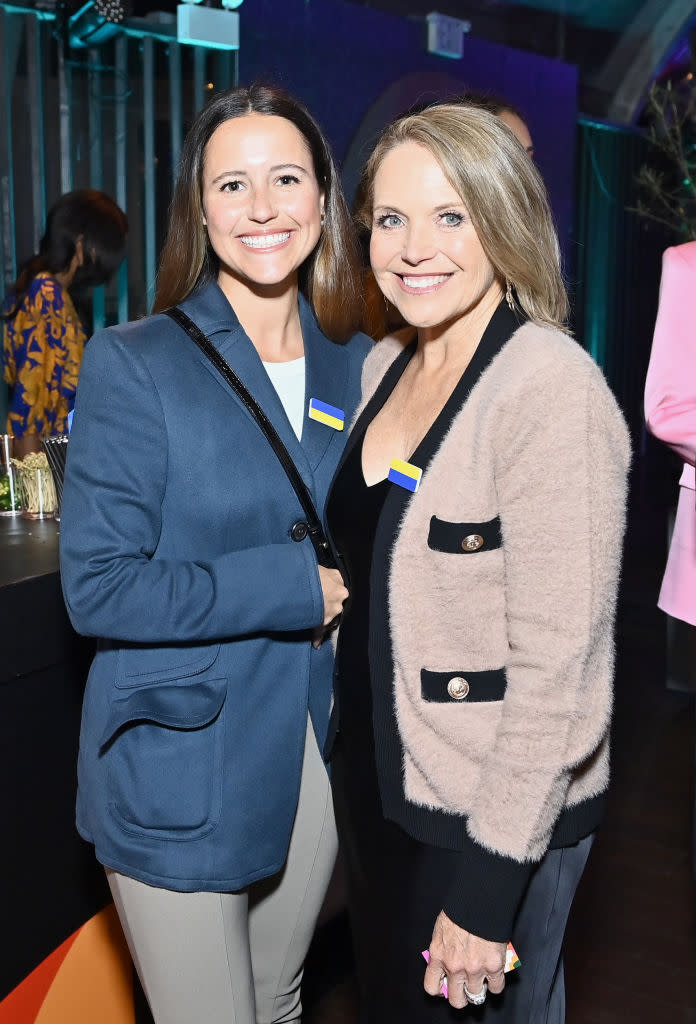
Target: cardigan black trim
[
  {"x": 464, "y": 538},
  {"x": 459, "y": 685},
  {"x": 486, "y": 892}
]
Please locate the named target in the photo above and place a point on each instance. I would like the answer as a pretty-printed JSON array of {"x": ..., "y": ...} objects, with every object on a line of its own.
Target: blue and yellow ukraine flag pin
[
  {"x": 328, "y": 414},
  {"x": 404, "y": 474}
]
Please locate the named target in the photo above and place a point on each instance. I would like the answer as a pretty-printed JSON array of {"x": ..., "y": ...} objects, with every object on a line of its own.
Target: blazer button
[
  {"x": 458, "y": 688},
  {"x": 299, "y": 530},
  {"x": 473, "y": 542}
]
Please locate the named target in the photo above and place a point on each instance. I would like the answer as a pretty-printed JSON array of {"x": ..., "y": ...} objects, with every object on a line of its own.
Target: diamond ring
[{"x": 476, "y": 998}]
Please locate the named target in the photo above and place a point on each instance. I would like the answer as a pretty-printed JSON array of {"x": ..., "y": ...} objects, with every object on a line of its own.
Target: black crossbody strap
[{"x": 313, "y": 524}]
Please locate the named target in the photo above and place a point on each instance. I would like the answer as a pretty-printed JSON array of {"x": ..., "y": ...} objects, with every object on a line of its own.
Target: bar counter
[{"x": 50, "y": 883}]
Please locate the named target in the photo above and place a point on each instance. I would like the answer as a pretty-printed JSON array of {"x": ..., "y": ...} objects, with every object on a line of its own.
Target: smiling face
[
  {"x": 424, "y": 250},
  {"x": 261, "y": 201}
]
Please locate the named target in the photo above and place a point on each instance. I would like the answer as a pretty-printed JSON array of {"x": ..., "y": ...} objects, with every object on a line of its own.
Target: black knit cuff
[{"x": 486, "y": 892}]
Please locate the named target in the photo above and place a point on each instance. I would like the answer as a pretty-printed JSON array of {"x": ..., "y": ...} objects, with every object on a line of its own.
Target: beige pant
[{"x": 235, "y": 958}]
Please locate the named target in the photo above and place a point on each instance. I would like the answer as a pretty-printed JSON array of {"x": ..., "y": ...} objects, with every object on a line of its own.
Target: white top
[{"x": 289, "y": 381}]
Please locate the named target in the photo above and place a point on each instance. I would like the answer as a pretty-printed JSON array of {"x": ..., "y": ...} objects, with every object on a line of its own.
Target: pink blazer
[{"x": 670, "y": 413}]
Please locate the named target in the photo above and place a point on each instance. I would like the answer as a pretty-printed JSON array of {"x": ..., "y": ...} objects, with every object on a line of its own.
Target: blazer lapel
[
  {"x": 326, "y": 377},
  {"x": 211, "y": 311}
]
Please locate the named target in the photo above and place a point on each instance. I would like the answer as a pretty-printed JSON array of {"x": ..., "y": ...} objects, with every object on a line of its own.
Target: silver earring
[{"x": 509, "y": 296}]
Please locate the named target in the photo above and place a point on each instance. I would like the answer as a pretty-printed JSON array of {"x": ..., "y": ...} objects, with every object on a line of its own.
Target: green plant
[{"x": 667, "y": 186}]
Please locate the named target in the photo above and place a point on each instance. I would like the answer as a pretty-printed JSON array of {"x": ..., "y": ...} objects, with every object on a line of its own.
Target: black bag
[{"x": 300, "y": 530}]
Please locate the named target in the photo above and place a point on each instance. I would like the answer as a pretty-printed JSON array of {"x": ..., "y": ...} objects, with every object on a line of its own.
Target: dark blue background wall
[{"x": 356, "y": 68}]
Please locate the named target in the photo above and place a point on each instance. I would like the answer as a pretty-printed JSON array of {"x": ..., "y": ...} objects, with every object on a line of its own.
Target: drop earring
[
  {"x": 509, "y": 298},
  {"x": 322, "y": 220}
]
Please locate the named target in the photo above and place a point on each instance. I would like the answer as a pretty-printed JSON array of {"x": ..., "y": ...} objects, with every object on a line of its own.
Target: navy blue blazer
[{"x": 176, "y": 553}]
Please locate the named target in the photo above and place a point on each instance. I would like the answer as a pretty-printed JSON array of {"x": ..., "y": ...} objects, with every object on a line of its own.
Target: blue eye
[
  {"x": 451, "y": 219},
  {"x": 389, "y": 220}
]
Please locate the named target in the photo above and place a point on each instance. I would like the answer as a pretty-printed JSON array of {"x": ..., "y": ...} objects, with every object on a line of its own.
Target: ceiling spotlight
[
  {"x": 113, "y": 11},
  {"x": 96, "y": 22}
]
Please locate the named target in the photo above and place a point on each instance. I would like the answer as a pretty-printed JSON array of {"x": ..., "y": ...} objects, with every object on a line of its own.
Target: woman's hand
[
  {"x": 334, "y": 593},
  {"x": 465, "y": 959}
]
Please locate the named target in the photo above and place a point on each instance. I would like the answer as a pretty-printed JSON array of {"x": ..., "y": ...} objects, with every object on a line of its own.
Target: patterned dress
[{"x": 42, "y": 351}]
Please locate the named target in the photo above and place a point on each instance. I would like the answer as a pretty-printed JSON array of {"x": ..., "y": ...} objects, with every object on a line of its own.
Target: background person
[
  {"x": 499, "y": 107},
  {"x": 475, "y": 656},
  {"x": 43, "y": 337},
  {"x": 670, "y": 413},
  {"x": 201, "y": 784}
]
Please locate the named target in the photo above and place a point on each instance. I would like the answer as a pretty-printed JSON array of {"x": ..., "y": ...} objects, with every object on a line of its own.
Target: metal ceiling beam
[{"x": 631, "y": 67}]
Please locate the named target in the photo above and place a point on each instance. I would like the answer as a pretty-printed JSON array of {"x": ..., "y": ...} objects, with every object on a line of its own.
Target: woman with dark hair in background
[
  {"x": 43, "y": 337},
  {"x": 479, "y": 508},
  {"x": 185, "y": 549}
]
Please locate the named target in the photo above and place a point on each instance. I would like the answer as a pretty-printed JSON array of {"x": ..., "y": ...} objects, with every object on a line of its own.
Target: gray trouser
[{"x": 235, "y": 957}]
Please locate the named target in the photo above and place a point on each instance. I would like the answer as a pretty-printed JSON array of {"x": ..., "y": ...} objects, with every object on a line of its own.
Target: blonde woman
[{"x": 479, "y": 507}]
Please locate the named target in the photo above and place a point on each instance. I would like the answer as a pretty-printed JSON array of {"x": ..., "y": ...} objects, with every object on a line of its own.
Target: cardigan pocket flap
[
  {"x": 139, "y": 665},
  {"x": 175, "y": 706},
  {"x": 464, "y": 538},
  {"x": 471, "y": 687}
]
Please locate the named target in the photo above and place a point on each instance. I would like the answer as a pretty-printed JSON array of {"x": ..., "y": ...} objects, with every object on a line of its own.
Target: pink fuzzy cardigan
[{"x": 542, "y": 446}]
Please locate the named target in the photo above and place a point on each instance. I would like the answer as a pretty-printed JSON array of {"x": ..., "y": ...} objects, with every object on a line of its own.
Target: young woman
[
  {"x": 479, "y": 507},
  {"x": 184, "y": 549},
  {"x": 43, "y": 338}
]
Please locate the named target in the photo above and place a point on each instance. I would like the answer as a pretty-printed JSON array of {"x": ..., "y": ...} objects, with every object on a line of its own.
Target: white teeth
[
  {"x": 265, "y": 241},
  {"x": 424, "y": 282}
]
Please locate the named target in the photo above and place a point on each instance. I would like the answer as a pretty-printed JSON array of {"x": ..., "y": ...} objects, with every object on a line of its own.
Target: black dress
[
  {"x": 393, "y": 900},
  {"x": 402, "y": 859}
]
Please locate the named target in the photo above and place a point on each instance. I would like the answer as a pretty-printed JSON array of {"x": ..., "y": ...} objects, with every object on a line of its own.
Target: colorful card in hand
[{"x": 512, "y": 962}]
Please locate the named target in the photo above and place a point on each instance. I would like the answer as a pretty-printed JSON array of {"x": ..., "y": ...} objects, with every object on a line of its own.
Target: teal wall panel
[{"x": 617, "y": 262}]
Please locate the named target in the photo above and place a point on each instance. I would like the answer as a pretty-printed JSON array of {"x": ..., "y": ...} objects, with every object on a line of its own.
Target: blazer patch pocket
[
  {"x": 464, "y": 687},
  {"x": 165, "y": 745},
  {"x": 464, "y": 538}
]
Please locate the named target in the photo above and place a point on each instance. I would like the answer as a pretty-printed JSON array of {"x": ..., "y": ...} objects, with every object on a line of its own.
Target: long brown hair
[
  {"x": 330, "y": 277},
  {"x": 504, "y": 195}
]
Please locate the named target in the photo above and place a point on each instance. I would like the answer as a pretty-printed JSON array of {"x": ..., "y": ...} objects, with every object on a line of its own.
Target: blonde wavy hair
[{"x": 504, "y": 195}]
